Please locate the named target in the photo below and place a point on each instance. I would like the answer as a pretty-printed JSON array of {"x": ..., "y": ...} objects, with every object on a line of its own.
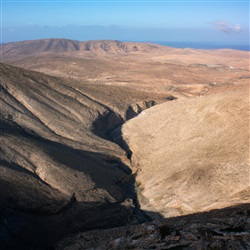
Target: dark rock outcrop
[{"x": 219, "y": 229}]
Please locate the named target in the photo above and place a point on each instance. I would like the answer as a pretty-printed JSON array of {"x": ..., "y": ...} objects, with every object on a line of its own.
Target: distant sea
[{"x": 203, "y": 45}]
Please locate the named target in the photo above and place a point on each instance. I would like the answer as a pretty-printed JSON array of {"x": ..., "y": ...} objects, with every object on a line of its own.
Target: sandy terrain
[{"x": 193, "y": 154}]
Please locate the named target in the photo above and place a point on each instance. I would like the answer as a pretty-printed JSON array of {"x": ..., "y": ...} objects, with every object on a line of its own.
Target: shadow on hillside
[
  {"x": 20, "y": 230},
  {"x": 36, "y": 230},
  {"x": 26, "y": 230},
  {"x": 33, "y": 229}
]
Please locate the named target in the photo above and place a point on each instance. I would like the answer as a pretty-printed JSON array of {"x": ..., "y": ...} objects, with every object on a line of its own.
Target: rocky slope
[
  {"x": 193, "y": 154},
  {"x": 219, "y": 229},
  {"x": 55, "y": 167}
]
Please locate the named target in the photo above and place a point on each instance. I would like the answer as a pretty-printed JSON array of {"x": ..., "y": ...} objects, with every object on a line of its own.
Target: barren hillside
[
  {"x": 55, "y": 158},
  {"x": 65, "y": 158},
  {"x": 193, "y": 154},
  {"x": 150, "y": 67}
]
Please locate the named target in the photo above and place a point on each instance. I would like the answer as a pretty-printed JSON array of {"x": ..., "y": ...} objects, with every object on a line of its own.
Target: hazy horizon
[{"x": 219, "y": 22}]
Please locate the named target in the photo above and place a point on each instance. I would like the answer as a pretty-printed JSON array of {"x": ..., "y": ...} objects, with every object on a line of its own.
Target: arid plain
[{"x": 104, "y": 134}]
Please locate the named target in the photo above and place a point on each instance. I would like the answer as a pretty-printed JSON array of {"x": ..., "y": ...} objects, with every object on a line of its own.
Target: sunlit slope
[{"x": 193, "y": 154}]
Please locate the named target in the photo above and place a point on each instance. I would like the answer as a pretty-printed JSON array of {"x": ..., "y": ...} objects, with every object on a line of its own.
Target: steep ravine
[
  {"x": 70, "y": 190},
  {"x": 226, "y": 228},
  {"x": 107, "y": 123},
  {"x": 108, "y": 126},
  {"x": 54, "y": 184}
]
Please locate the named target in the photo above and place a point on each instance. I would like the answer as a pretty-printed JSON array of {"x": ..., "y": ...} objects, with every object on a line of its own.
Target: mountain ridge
[{"x": 59, "y": 45}]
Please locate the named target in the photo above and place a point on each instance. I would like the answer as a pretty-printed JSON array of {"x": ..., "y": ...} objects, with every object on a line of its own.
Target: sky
[{"x": 126, "y": 20}]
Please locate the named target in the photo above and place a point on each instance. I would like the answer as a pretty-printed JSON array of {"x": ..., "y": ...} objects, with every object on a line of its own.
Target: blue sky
[{"x": 127, "y": 20}]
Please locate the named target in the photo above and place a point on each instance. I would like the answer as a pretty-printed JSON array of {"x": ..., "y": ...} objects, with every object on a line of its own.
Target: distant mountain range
[{"x": 34, "y": 47}]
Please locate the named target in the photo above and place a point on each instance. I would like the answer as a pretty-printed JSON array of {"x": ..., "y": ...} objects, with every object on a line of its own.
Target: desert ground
[{"x": 98, "y": 135}]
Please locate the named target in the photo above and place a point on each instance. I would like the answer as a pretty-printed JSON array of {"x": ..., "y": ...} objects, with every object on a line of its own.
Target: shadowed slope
[
  {"x": 52, "y": 161},
  {"x": 218, "y": 229}
]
